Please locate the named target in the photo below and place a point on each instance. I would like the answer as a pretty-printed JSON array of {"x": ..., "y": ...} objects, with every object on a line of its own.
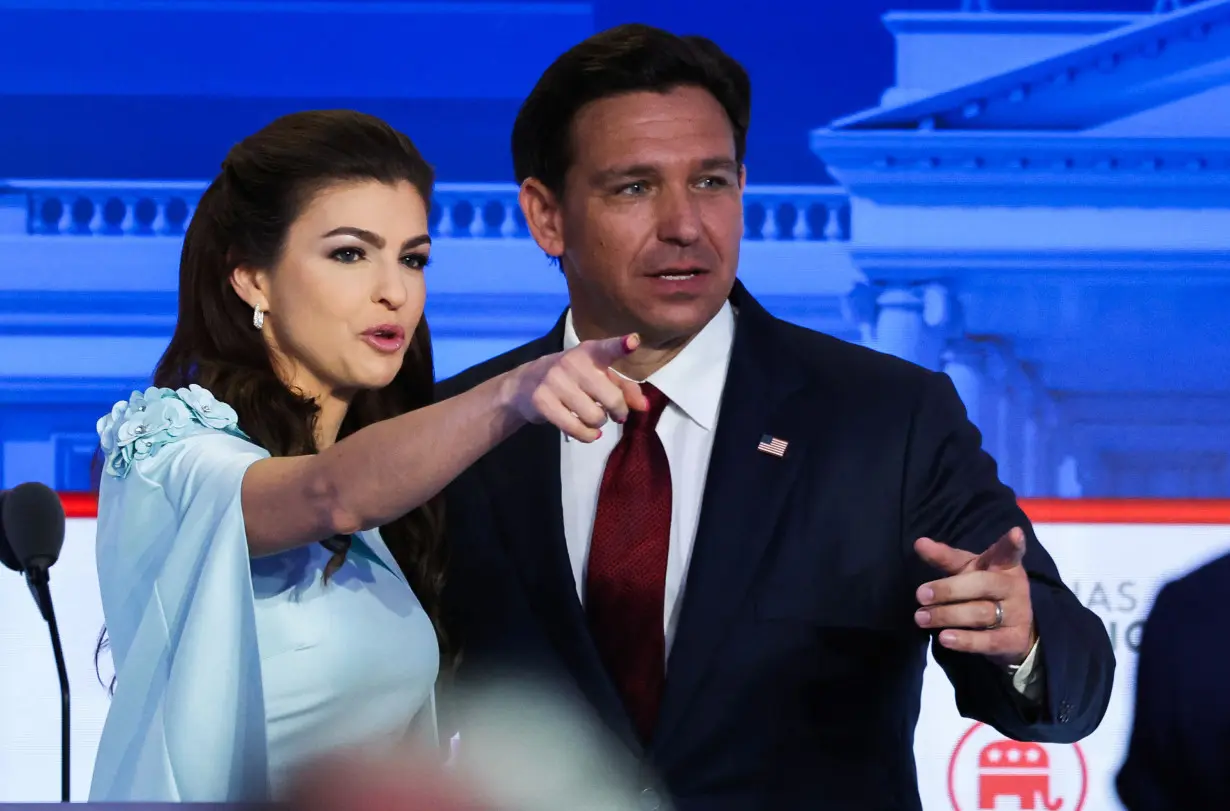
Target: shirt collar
[{"x": 693, "y": 380}]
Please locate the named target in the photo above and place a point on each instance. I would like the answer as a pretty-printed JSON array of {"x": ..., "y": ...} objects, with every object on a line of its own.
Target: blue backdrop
[{"x": 1036, "y": 201}]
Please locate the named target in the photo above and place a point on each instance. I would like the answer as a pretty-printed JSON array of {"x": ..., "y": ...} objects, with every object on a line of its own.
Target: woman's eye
[
  {"x": 416, "y": 261},
  {"x": 347, "y": 255}
]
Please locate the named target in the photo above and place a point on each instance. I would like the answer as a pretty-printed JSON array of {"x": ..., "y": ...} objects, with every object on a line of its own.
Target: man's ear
[
  {"x": 543, "y": 216},
  {"x": 252, "y": 286},
  {"x": 742, "y": 177}
]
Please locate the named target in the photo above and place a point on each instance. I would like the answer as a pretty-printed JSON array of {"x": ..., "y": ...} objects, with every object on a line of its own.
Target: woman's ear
[{"x": 252, "y": 286}]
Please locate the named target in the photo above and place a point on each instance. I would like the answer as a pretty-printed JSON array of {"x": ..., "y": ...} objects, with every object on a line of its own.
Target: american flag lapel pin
[{"x": 772, "y": 446}]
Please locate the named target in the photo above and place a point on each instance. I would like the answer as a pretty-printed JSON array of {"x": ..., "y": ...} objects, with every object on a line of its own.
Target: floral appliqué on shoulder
[{"x": 138, "y": 427}]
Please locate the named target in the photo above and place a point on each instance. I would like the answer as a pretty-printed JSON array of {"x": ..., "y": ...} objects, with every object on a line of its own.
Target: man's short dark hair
[{"x": 626, "y": 59}]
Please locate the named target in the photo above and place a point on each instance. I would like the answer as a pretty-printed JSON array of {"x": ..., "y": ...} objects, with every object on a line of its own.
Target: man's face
[{"x": 649, "y": 226}]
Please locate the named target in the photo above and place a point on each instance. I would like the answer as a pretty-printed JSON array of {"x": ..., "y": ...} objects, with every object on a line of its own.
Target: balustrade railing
[{"x": 468, "y": 210}]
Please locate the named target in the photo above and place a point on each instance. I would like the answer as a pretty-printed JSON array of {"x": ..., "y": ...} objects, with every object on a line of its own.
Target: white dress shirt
[{"x": 693, "y": 381}]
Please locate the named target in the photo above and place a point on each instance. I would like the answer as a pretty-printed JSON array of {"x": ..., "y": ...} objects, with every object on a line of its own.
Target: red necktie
[{"x": 625, "y": 585}]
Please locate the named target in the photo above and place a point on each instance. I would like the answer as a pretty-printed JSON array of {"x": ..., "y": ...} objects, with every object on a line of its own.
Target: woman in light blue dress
[{"x": 269, "y": 548}]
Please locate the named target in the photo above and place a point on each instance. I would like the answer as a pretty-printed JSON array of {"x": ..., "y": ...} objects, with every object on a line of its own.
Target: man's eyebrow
[
  {"x": 617, "y": 172},
  {"x": 720, "y": 163},
  {"x": 716, "y": 163}
]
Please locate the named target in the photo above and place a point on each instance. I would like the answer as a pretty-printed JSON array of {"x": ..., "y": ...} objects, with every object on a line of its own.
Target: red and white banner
[
  {"x": 1115, "y": 559},
  {"x": 1114, "y": 555}
]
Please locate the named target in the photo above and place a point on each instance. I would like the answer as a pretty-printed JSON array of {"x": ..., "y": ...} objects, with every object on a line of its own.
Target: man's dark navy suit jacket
[{"x": 795, "y": 674}]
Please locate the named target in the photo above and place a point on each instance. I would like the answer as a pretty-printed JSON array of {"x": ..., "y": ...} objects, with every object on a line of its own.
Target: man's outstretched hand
[{"x": 962, "y": 605}]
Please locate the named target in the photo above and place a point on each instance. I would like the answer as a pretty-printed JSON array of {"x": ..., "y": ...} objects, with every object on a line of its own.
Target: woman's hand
[{"x": 577, "y": 390}]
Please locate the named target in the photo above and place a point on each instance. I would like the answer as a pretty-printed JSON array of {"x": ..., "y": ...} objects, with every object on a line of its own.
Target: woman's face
[{"x": 343, "y": 301}]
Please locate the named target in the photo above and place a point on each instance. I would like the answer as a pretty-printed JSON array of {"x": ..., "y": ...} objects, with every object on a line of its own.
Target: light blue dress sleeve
[{"x": 187, "y": 721}]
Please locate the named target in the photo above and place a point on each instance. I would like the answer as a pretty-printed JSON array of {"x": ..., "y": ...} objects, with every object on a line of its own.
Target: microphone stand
[{"x": 38, "y": 579}]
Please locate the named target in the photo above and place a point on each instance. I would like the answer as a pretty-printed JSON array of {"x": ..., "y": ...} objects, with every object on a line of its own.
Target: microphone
[{"x": 31, "y": 536}]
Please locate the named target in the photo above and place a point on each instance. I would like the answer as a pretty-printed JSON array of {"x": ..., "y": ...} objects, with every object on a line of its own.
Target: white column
[
  {"x": 1003, "y": 378},
  {"x": 859, "y": 308},
  {"x": 983, "y": 375},
  {"x": 899, "y": 323},
  {"x": 1068, "y": 478},
  {"x": 1039, "y": 417},
  {"x": 1063, "y": 470},
  {"x": 1027, "y": 482},
  {"x": 964, "y": 363},
  {"x": 911, "y": 321}
]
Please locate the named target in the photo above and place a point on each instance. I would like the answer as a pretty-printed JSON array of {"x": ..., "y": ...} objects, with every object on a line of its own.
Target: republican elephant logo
[{"x": 989, "y": 772}]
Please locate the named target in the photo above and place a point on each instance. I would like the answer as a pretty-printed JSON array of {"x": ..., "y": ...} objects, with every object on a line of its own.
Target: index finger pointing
[
  {"x": 608, "y": 350},
  {"x": 1006, "y": 553},
  {"x": 942, "y": 556}
]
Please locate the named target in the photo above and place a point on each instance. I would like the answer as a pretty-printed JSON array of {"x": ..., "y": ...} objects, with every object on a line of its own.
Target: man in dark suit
[
  {"x": 1180, "y": 747},
  {"x": 742, "y": 580}
]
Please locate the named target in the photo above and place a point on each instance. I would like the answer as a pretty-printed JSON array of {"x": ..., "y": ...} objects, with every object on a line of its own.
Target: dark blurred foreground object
[{"x": 1180, "y": 745}]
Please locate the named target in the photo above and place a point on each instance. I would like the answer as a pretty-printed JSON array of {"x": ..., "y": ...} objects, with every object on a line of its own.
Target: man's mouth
[{"x": 678, "y": 274}]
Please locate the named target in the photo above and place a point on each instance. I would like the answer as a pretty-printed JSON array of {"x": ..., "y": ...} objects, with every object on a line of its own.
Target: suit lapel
[
  {"x": 529, "y": 495},
  {"x": 745, "y": 491}
]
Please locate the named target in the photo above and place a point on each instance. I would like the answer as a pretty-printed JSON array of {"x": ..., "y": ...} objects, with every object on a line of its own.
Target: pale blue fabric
[{"x": 231, "y": 670}]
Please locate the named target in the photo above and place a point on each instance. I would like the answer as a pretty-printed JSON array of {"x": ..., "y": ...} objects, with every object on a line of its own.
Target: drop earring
[{"x": 258, "y": 317}]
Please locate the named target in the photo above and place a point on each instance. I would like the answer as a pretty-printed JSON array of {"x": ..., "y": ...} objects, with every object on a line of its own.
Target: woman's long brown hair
[{"x": 242, "y": 219}]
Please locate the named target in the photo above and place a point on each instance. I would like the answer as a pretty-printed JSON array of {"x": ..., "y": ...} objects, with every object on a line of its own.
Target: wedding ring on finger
[{"x": 999, "y": 617}]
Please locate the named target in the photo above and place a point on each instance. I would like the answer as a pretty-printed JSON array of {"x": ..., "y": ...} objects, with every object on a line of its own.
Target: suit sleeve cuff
[{"x": 1027, "y": 679}]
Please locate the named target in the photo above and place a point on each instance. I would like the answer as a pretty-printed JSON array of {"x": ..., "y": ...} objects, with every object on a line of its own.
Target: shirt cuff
[{"x": 1026, "y": 679}]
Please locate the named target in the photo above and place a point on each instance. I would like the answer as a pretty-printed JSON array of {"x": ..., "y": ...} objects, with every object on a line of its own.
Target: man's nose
[{"x": 679, "y": 219}]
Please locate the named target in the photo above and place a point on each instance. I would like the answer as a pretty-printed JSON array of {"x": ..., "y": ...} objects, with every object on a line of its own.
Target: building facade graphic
[{"x": 1038, "y": 206}]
